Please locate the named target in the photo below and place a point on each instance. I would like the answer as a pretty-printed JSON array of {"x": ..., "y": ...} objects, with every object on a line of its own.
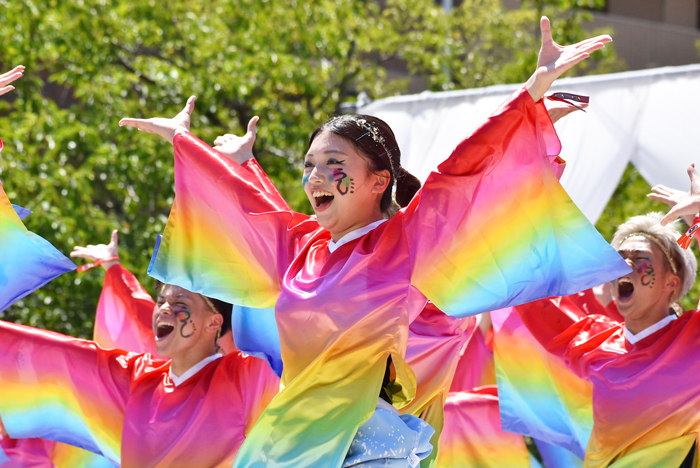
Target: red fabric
[{"x": 643, "y": 394}]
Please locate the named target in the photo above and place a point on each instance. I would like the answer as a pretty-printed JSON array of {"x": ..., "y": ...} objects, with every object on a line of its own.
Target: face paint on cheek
[
  {"x": 187, "y": 327},
  {"x": 305, "y": 179},
  {"x": 648, "y": 277},
  {"x": 343, "y": 183}
]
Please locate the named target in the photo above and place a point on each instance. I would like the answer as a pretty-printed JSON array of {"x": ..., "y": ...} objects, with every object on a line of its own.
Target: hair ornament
[{"x": 373, "y": 131}]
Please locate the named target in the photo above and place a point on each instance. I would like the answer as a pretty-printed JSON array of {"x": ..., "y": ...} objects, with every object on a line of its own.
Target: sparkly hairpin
[{"x": 373, "y": 131}]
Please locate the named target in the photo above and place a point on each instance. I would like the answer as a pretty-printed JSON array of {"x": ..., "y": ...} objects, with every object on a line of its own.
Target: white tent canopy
[{"x": 649, "y": 117}]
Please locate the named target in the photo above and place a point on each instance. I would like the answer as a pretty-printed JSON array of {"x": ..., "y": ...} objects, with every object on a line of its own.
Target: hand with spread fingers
[
  {"x": 671, "y": 197},
  {"x": 240, "y": 149},
  {"x": 167, "y": 128},
  {"x": 8, "y": 77},
  {"x": 555, "y": 60},
  {"x": 686, "y": 204},
  {"x": 100, "y": 252}
]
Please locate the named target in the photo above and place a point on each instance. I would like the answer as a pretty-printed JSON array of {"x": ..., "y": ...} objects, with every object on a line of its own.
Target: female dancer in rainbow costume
[{"x": 346, "y": 284}]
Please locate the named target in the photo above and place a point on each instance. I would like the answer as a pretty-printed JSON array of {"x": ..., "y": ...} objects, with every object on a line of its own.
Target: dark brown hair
[{"x": 374, "y": 140}]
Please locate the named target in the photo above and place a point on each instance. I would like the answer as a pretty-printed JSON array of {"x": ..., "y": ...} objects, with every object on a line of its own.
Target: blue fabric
[
  {"x": 390, "y": 440},
  {"x": 27, "y": 261},
  {"x": 3, "y": 458},
  {"x": 255, "y": 333},
  {"x": 554, "y": 456},
  {"x": 21, "y": 212}
]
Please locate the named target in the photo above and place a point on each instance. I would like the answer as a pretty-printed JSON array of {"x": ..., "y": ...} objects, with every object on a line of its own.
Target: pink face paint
[{"x": 646, "y": 272}]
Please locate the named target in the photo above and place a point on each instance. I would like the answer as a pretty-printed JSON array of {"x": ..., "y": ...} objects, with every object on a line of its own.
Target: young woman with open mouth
[{"x": 345, "y": 282}]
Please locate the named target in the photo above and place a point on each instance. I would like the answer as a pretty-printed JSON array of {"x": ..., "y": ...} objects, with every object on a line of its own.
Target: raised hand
[
  {"x": 240, "y": 149},
  {"x": 7, "y": 78},
  {"x": 687, "y": 204},
  {"x": 667, "y": 195},
  {"x": 167, "y": 128},
  {"x": 100, "y": 252},
  {"x": 558, "y": 110},
  {"x": 555, "y": 60}
]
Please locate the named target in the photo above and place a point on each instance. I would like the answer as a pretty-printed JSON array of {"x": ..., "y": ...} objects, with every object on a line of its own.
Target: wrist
[
  {"x": 113, "y": 259},
  {"x": 108, "y": 265},
  {"x": 179, "y": 129},
  {"x": 536, "y": 87}
]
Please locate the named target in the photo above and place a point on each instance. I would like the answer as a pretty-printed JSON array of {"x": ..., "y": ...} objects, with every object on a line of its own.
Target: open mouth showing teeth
[
  {"x": 625, "y": 288},
  {"x": 164, "y": 329},
  {"x": 323, "y": 198}
]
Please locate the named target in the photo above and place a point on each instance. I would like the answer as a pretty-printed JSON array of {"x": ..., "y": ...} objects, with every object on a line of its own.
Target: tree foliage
[{"x": 91, "y": 62}]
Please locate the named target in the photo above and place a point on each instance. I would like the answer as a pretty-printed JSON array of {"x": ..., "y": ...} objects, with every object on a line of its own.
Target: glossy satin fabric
[
  {"x": 122, "y": 321},
  {"x": 334, "y": 341},
  {"x": 539, "y": 396},
  {"x": 27, "y": 261},
  {"x": 21, "y": 212},
  {"x": 124, "y": 318},
  {"x": 432, "y": 352},
  {"x": 472, "y": 437},
  {"x": 475, "y": 367},
  {"x": 646, "y": 396},
  {"x": 124, "y": 405}
]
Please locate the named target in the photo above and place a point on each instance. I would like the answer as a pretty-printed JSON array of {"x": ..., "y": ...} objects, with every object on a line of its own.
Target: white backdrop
[{"x": 651, "y": 117}]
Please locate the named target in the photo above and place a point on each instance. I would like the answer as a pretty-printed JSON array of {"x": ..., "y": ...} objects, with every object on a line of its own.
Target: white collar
[
  {"x": 193, "y": 370},
  {"x": 632, "y": 338},
  {"x": 352, "y": 235}
]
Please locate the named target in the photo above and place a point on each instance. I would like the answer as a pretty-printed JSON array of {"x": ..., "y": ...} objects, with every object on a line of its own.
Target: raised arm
[
  {"x": 125, "y": 310},
  {"x": 508, "y": 232},
  {"x": 222, "y": 238},
  {"x": 65, "y": 389},
  {"x": 566, "y": 330}
]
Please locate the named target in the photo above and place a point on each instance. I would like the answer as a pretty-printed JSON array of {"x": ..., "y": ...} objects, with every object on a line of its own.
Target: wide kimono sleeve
[
  {"x": 65, "y": 389},
  {"x": 565, "y": 330},
  {"x": 124, "y": 314},
  {"x": 494, "y": 228},
  {"x": 261, "y": 386},
  {"x": 223, "y": 238}
]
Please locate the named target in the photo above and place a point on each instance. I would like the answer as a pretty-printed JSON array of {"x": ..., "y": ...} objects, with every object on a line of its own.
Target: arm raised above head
[
  {"x": 555, "y": 60},
  {"x": 494, "y": 228}
]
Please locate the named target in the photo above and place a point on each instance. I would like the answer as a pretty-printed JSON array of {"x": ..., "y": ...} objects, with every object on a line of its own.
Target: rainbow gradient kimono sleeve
[
  {"x": 124, "y": 314},
  {"x": 224, "y": 237},
  {"x": 538, "y": 395},
  {"x": 472, "y": 436},
  {"x": 494, "y": 228},
  {"x": 27, "y": 261},
  {"x": 63, "y": 389}
]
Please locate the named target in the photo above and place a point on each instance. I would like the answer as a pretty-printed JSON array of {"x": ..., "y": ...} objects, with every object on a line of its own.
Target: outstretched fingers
[
  {"x": 140, "y": 124},
  {"x": 545, "y": 30},
  {"x": 189, "y": 105},
  {"x": 251, "y": 125},
  {"x": 115, "y": 238},
  {"x": 693, "y": 174}
]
